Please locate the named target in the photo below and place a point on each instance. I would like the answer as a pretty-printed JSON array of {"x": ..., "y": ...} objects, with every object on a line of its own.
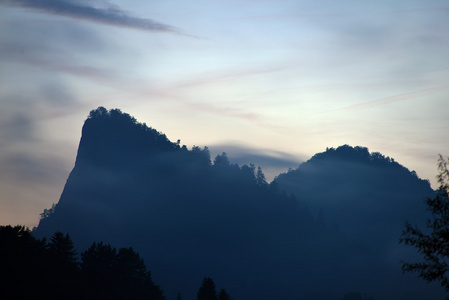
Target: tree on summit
[
  {"x": 221, "y": 160},
  {"x": 260, "y": 177},
  {"x": 435, "y": 245}
]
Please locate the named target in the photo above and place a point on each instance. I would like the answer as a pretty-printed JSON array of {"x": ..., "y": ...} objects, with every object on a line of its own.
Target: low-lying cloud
[{"x": 272, "y": 162}]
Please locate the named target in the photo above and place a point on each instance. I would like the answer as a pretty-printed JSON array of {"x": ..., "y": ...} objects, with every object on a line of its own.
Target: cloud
[
  {"x": 109, "y": 15},
  {"x": 272, "y": 162},
  {"x": 72, "y": 69},
  {"x": 33, "y": 167},
  {"x": 442, "y": 9},
  {"x": 60, "y": 48},
  {"x": 29, "y": 182},
  {"x": 21, "y": 114},
  {"x": 17, "y": 127},
  {"x": 395, "y": 98},
  {"x": 180, "y": 92}
]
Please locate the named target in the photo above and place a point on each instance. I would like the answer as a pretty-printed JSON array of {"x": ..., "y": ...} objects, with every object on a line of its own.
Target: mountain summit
[{"x": 190, "y": 217}]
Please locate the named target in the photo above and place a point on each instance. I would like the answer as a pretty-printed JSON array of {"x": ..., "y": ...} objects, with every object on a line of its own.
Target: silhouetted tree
[
  {"x": 207, "y": 290},
  {"x": 223, "y": 295},
  {"x": 97, "y": 113},
  {"x": 435, "y": 245},
  {"x": 123, "y": 272},
  {"x": 221, "y": 160},
  {"x": 21, "y": 257},
  {"x": 131, "y": 265},
  {"x": 248, "y": 173},
  {"x": 48, "y": 212},
  {"x": 260, "y": 177},
  {"x": 99, "y": 261},
  {"x": 28, "y": 265},
  {"x": 355, "y": 296},
  {"x": 61, "y": 246}
]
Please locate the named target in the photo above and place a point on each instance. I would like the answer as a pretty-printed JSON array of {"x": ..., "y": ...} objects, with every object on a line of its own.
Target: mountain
[
  {"x": 192, "y": 218},
  {"x": 368, "y": 195}
]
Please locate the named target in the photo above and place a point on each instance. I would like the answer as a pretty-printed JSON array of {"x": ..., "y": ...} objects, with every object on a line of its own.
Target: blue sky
[{"x": 269, "y": 82}]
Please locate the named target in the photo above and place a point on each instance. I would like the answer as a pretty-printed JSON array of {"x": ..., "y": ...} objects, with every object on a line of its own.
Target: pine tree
[
  {"x": 223, "y": 295},
  {"x": 207, "y": 290},
  {"x": 61, "y": 246},
  {"x": 260, "y": 177}
]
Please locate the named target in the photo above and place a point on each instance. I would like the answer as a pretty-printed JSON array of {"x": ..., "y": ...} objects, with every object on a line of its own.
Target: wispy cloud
[
  {"x": 209, "y": 108},
  {"x": 109, "y": 15},
  {"x": 395, "y": 98},
  {"x": 425, "y": 9},
  {"x": 179, "y": 92}
]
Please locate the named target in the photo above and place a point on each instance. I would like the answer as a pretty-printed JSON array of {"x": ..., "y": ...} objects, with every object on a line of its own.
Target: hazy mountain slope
[
  {"x": 368, "y": 195},
  {"x": 190, "y": 218}
]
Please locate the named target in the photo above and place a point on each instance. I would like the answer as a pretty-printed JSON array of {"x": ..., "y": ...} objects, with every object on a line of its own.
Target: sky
[{"x": 268, "y": 82}]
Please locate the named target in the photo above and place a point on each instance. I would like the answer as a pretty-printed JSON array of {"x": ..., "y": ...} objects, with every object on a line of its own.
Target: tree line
[
  {"x": 39, "y": 269},
  {"x": 34, "y": 268}
]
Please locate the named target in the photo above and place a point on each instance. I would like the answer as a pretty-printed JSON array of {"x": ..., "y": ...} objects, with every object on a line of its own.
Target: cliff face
[
  {"x": 121, "y": 165},
  {"x": 190, "y": 218}
]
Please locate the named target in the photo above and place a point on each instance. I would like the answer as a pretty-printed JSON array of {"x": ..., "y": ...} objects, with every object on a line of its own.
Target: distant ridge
[
  {"x": 368, "y": 195},
  {"x": 190, "y": 217}
]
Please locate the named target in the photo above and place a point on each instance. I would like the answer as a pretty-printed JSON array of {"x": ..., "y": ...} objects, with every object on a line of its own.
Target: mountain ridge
[
  {"x": 191, "y": 217},
  {"x": 356, "y": 180}
]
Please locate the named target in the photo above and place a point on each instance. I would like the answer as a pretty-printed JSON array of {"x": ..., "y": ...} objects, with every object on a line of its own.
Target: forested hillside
[
  {"x": 191, "y": 217},
  {"x": 368, "y": 195},
  {"x": 39, "y": 269}
]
